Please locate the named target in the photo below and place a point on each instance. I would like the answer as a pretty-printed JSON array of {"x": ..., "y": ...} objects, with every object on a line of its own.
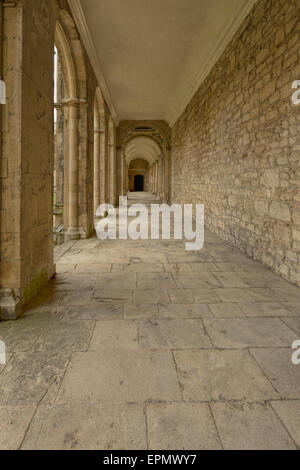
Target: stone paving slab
[
  {"x": 222, "y": 375},
  {"x": 226, "y": 310},
  {"x": 173, "y": 334},
  {"x": 289, "y": 413},
  {"x": 120, "y": 376},
  {"x": 184, "y": 311},
  {"x": 14, "y": 422},
  {"x": 29, "y": 378},
  {"x": 96, "y": 311},
  {"x": 161, "y": 281},
  {"x": 181, "y": 426},
  {"x": 88, "y": 426},
  {"x": 264, "y": 309},
  {"x": 115, "y": 334},
  {"x": 194, "y": 296},
  {"x": 151, "y": 296},
  {"x": 116, "y": 281},
  {"x": 199, "y": 280},
  {"x": 237, "y": 333},
  {"x": 114, "y": 296},
  {"x": 278, "y": 367},
  {"x": 250, "y": 426}
]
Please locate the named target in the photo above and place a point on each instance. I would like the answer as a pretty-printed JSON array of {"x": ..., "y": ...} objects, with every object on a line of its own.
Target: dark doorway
[{"x": 139, "y": 183}]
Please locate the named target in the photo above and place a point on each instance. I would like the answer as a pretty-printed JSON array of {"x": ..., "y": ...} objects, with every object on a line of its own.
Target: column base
[
  {"x": 10, "y": 305},
  {"x": 75, "y": 234}
]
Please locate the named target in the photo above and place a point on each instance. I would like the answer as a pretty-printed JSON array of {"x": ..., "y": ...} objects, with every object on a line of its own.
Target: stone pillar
[
  {"x": 120, "y": 172},
  {"x": 102, "y": 167},
  {"x": 112, "y": 174},
  {"x": 73, "y": 231},
  {"x": 97, "y": 167},
  {"x": 156, "y": 178}
]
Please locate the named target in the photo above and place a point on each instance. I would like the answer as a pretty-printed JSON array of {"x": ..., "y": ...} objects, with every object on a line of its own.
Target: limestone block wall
[{"x": 236, "y": 147}]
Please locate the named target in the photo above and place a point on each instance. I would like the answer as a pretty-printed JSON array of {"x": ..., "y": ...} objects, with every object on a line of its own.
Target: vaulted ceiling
[
  {"x": 151, "y": 55},
  {"x": 144, "y": 148}
]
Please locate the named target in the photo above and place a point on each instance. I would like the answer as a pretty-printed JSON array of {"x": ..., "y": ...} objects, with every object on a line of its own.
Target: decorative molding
[
  {"x": 213, "y": 58},
  {"x": 74, "y": 102},
  {"x": 81, "y": 23}
]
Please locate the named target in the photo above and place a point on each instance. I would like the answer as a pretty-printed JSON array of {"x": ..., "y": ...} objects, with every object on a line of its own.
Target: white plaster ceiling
[
  {"x": 154, "y": 54},
  {"x": 142, "y": 148}
]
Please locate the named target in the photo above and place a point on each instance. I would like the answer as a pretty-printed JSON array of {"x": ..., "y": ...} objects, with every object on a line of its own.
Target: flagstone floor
[{"x": 142, "y": 345}]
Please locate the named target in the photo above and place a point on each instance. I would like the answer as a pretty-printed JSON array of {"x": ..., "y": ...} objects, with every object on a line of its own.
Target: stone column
[
  {"x": 102, "y": 167},
  {"x": 120, "y": 172},
  {"x": 73, "y": 231},
  {"x": 112, "y": 174},
  {"x": 156, "y": 178},
  {"x": 97, "y": 148}
]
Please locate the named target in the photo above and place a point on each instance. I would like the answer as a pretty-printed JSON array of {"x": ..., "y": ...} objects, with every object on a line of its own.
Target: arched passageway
[
  {"x": 138, "y": 176},
  {"x": 147, "y": 142}
]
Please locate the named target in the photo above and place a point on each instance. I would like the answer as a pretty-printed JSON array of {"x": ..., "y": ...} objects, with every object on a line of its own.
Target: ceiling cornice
[
  {"x": 81, "y": 23},
  {"x": 212, "y": 58}
]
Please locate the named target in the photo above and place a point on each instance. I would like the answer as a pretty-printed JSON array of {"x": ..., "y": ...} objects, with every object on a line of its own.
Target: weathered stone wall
[{"x": 236, "y": 146}]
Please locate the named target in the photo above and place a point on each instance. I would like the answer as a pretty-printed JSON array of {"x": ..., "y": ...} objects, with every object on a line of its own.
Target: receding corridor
[{"x": 140, "y": 345}]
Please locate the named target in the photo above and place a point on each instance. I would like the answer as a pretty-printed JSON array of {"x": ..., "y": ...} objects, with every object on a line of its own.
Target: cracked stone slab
[
  {"x": 118, "y": 280},
  {"x": 250, "y": 426},
  {"x": 14, "y": 422},
  {"x": 293, "y": 307},
  {"x": 114, "y": 296},
  {"x": 88, "y": 426},
  {"x": 203, "y": 267},
  {"x": 294, "y": 324},
  {"x": 177, "y": 267},
  {"x": 31, "y": 378},
  {"x": 193, "y": 296},
  {"x": 65, "y": 336},
  {"x": 263, "y": 279},
  {"x": 184, "y": 311},
  {"x": 161, "y": 281},
  {"x": 278, "y": 367},
  {"x": 226, "y": 310},
  {"x": 22, "y": 335},
  {"x": 84, "y": 268},
  {"x": 138, "y": 267},
  {"x": 115, "y": 334},
  {"x": 136, "y": 376},
  {"x": 96, "y": 311},
  {"x": 289, "y": 413},
  {"x": 149, "y": 296},
  {"x": 74, "y": 282},
  {"x": 249, "y": 332},
  {"x": 136, "y": 312},
  {"x": 230, "y": 280},
  {"x": 199, "y": 280},
  {"x": 264, "y": 309},
  {"x": 217, "y": 375},
  {"x": 80, "y": 298},
  {"x": 181, "y": 426},
  {"x": 173, "y": 334},
  {"x": 288, "y": 294}
]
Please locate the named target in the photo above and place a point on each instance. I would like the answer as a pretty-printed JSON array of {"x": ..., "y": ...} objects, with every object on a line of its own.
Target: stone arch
[
  {"x": 153, "y": 139},
  {"x": 74, "y": 104}
]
